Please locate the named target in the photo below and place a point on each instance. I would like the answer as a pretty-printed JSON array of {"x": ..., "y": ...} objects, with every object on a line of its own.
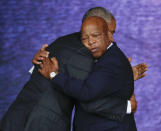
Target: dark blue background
[{"x": 26, "y": 24}]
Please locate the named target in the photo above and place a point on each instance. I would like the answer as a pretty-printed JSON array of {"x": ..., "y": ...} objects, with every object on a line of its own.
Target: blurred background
[{"x": 25, "y": 25}]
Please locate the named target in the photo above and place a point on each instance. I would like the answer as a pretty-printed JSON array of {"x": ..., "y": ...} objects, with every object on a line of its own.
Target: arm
[
  {"x": 138, "y": 70},
  {"x": 102, "y": 106},
  {"x": 30, "y": 94},
  {"x": 101, "y": 82},
  {"x": 37, "y": 84},
  {"x": 106, "y": 107},
  {"x": 111, "y": 107},
  {"x": 35, "y": 87}
]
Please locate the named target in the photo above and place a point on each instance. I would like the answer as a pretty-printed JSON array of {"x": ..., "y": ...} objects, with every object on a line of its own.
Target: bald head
[
  {"x": 106, "y": 15},
  {"x": 95, "y": 35},
  {"x": 96, "y": 21}
]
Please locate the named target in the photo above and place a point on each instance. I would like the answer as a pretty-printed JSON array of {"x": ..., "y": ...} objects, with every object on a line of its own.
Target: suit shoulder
[
  {"x": 68, "y": 38},
  {"x": 75, "y": 35},
  {"x": 72, "y": 40},
  {"x": 115, "y": 57}
]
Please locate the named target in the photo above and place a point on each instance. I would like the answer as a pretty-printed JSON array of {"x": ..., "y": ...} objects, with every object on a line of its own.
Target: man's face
[{"x": 95, "y": 38}]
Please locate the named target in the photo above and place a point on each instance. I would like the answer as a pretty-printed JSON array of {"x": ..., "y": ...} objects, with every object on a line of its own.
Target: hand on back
[{"x": 40, "y": 55}]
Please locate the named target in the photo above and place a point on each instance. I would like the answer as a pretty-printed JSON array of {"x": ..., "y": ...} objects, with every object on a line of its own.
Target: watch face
[{"x": 52, "y": 74}]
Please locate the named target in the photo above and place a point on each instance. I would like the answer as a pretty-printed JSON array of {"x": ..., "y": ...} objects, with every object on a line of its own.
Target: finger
[
  {"x": 44, "y": 46},
  {"x": 39, "y": 58},
  {"x": 145, "y": 64},
  {"x": 130, "y": 59},
  {"x": 44, "y": 53},
  {"x": 54, "y": 60},
  {"x": 145, "y": 68},
  {"x": 142, "y": 69},
  {"x": 139, "y": 65},
  {"x": 141, "y": 76},
  {"x": 36, "y": 62},
  {"x": 41, "y": 65},
  {"x": 46, "y": 60}
]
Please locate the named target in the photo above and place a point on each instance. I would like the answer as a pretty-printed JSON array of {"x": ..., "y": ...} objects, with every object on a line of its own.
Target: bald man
[{"x": 111, "y": 76}]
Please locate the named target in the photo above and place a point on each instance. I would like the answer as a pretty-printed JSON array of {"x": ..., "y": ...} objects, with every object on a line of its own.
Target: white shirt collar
[
  {"x": 109, "y": 46},
  {"x": 107, "y": 49}
]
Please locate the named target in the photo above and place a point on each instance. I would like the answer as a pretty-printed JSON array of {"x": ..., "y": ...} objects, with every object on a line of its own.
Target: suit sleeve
[
  {"x": 34, "y": 88},
  {"x": 25, "y": 101},
  {"x": 101, "y": 82},
  {"x": 109, "y": 107}
]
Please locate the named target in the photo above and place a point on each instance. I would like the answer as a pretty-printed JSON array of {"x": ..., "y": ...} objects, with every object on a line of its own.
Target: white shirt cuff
[
  {"x": 128, "y": 107},
  {"x": 31, "y": 69}
]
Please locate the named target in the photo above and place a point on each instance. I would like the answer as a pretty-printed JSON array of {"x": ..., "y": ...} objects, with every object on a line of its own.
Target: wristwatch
[{"x": 52, "y": 75}]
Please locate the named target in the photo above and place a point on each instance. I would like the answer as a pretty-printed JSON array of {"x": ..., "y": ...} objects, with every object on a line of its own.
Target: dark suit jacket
[
  {"x": 18, "y": 113},
  {"x": 53, "y": 111},
  {"x": 20, "y": 110},
  {"x": 111, "y": 76}
]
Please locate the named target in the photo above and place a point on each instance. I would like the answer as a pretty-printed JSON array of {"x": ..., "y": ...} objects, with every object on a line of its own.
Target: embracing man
[
  {"x": 52, "y": 108},
  {"x": 111, "y": 76}
]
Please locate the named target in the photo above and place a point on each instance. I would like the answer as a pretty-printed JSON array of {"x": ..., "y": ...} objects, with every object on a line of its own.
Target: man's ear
[{"x": 110, "y": 36}]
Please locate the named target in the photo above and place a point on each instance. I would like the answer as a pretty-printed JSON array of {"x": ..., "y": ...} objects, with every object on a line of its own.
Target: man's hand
[
  {"x": 40, "y": 55},
  {"x": 139, "y": 70},
  {"x": 47, "y": 66},
  {"x": 133, "y": 103}
]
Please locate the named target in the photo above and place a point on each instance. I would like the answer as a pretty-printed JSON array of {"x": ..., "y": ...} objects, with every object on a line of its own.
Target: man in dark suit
[
  {"x": 111, "y": 76},
  {"x": 77, "y": 64},
  {"x": 18, "y": 113}
]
